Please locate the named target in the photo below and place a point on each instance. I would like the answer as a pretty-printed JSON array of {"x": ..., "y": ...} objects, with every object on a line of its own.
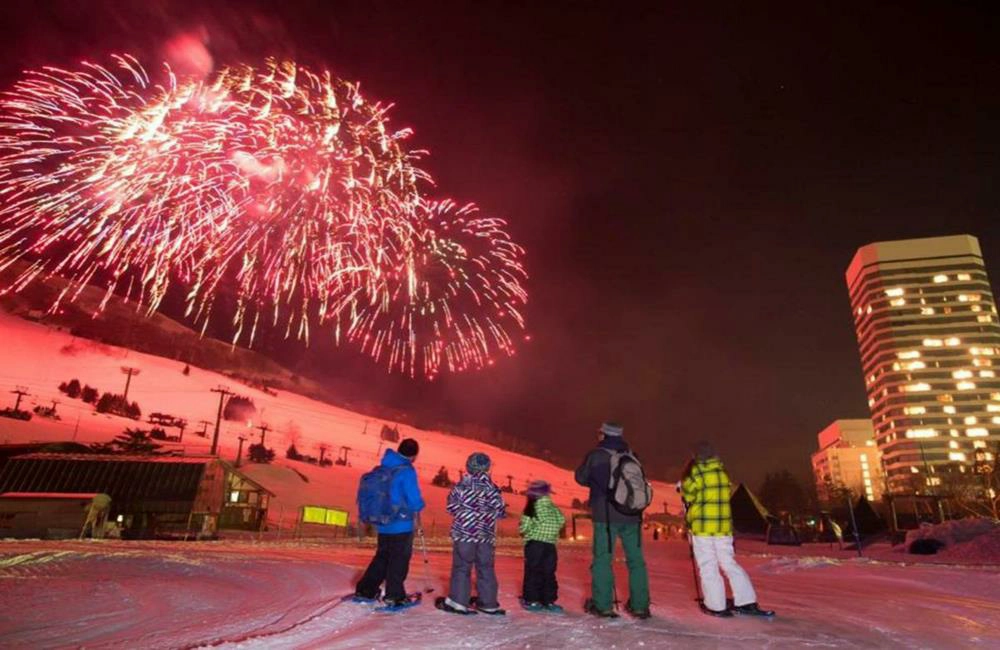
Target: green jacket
[
  {"x": 706, "y": 495},
  {"x": 545, "y": 525}
]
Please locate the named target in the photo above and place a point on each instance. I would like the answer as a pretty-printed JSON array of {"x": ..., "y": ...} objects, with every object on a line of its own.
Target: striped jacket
[
  {"x": 545, "y": 525},
  {"x": 706, "y": 495},
  {"x": 476, "y": 504}
]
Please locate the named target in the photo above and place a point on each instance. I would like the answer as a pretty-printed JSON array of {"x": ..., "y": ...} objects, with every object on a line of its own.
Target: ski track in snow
[{"x": 243, "y": 595}]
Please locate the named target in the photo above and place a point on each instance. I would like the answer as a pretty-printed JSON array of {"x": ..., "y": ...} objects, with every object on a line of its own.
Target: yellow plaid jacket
[{"x": 706, "y": 493}]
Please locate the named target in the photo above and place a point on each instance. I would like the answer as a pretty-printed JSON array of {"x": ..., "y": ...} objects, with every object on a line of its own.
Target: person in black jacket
[{"x": 609, "y": 523}]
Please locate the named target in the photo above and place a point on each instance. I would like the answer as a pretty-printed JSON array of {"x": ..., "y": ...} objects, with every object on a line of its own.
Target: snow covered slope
[{"x": 39, "y": 358}]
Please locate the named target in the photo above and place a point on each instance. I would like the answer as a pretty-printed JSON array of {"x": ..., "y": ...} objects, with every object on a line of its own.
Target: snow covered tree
[
  {"x": 258, "y": 453},
  {"x": 134, "y": 441}
]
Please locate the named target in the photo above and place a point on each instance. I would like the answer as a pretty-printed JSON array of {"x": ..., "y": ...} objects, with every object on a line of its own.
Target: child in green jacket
[{"x": 540, "y": 526}]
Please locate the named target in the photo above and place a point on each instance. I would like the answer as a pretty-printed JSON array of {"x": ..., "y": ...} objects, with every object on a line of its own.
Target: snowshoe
[
  {"x": 398, "y": 604},
  {"x": 591, "y": 608},
  {"x": 492, "y": 611},
  {"x": 752, "y": 610},
  {"x": 532, "y": 606},
  {"x": 448, "y": 605},
  {"x": 725, "y": 613},
  {"x": 641, "y": 614},
  {"x": 552, "y": 608},
  {"x": 364, "y": 600}
]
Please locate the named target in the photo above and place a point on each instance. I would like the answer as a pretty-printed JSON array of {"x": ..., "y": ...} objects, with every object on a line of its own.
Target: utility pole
[
  {"x": 54, "y": 403},
  {"x": 239, "y": 452},
  {"x": 183, "y": 425},
  {"x": 21, "y": 392},
  {"x": 129, "y": 372},
  {"x": 223, "y": 392},
  {"x": 204, "y": 428},
  {"x": 263, "y": 432}
]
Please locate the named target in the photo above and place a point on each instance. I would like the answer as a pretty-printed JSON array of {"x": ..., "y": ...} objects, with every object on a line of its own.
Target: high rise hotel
[{"x": 927, "y": 330}]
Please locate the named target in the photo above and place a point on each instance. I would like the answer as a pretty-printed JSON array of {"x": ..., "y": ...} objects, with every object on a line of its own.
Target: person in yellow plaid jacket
[
  {"x": 540, "y": 525},
  {"x": 706, "y": 491}
]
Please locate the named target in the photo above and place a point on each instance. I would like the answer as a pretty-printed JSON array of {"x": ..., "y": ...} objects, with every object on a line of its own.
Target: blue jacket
[
  {"x": 595, "y": 473},
  {"x": 404, "y": 491}
]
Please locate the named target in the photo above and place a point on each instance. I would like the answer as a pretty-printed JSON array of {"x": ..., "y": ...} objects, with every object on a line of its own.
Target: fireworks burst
[{"x": 281, "y": 187}]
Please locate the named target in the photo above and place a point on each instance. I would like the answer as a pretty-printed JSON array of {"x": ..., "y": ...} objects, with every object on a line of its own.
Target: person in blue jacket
[{"x": 395, "y": 539}]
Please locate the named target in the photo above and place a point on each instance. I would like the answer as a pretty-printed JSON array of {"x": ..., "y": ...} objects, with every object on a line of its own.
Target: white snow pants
[{"x": 711, "y": 554}]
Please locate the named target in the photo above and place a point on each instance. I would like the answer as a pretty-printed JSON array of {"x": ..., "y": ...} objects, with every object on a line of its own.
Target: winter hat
[
  {"x": 612, "y": 429},
  {"x": 704, "y": 450},
  {"x": 538, "y": 489},
  {"x": 409, "y": 448},
  {"x": 478, "y": 463}
]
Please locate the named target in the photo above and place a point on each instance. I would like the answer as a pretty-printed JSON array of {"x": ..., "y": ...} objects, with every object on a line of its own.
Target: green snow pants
[{"x": 602, "y": 577}]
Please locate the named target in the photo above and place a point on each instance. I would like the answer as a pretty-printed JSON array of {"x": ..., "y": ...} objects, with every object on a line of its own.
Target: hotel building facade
[
  {"x": 847, "y": 458},
  {"x": 927, "y": 330}
]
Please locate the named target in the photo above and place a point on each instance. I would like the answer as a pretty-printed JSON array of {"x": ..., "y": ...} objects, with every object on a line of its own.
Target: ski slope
[
  {"x": 38, "y": 358},
  {"x": 113, "y": 594}
]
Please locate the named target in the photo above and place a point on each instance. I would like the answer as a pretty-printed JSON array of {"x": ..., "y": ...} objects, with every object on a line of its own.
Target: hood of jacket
[{"x": 393, "y": 458}]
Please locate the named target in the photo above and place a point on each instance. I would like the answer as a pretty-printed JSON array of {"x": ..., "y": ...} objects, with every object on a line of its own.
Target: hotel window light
[
  {"x": 939, "y": 278},
  {"x": 965, "y": 385},
  {"x": 961, "y": 374},
  {"x": 964, "y": 277},
  {"x": 977, "y": 432},
  {"x": 895, "y": 291}
]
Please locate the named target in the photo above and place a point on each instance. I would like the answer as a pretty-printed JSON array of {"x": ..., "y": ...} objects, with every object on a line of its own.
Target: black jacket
[{"x": 595, "y": 473}]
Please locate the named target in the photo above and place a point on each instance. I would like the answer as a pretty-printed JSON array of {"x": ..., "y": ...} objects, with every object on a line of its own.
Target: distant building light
[
  {"x": 909, "y": 354},
  {"x": 977, "y": 432},
  {"x": 933, "y": 343},
  {"x": 962, "y": 374},
  {"x": 895, "y": 291},
  {"x": 234, "y": 496},
  {"x": 916, "y": 388},
  {"x": 927, "y": 311},
  {"x": 914, "y": 410},
  {"x": 948, "y": 409},
  {"x": 965, "y": 385},
  {"x": 952, "y": 341},
  {"x": 938, "y": 279},
  {"x": 897, "y": 302},
  {"x": 921, "y": 433},
  {"x": 956, "y": 455},
  {"x": 971, "y": 419},
  {"x": 964, "y": 277}
]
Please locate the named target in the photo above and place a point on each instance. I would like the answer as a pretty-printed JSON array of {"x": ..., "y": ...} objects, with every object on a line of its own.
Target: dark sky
[{"x": 690, "y": 184}]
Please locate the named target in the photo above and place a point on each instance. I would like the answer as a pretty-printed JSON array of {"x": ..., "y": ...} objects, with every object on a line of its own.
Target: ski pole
[{"x": 423, "y": 544}]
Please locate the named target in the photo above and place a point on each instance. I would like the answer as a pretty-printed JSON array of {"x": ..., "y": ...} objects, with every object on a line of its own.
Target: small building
[
  {"x": 151, "y": 496},
  {"x": 44, "y": 515}
]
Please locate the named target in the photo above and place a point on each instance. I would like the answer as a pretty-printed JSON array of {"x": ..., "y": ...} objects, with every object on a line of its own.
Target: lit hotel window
[
  {"x": 964, "y": 277},
  {"x": 927, "y": 311},
  {"x": 987, "y": 373},
  {"x": 921, "y": 433},
  {"x": 984, "y": 318},
  {"x": 914, "y": 365},
  {"x": 978, "y": 432},
  {"x": 916, "y": 388},
  {"x": 909, "y": 354},
  {"x": 940, "y": 278},
  {"x": 962, "y": 374},
  {"x": 948, "y": 409},
  {"x": 914, "y": 410},
  {"x": 956, "y": 455},
  {"x": 897, "y": 302},
  {"x": 965, "y": 385},
  {"x": 895, "y": 291},
  {"x": 975, "y": 308},
  {"x": 933, "y": 343},
  {"x": 953, "y": 341},
  {"x": 971, "y": 419}
]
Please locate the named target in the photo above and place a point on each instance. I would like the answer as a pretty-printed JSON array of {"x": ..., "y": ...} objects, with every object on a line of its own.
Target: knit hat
[
  {"x": 478, "y": 463},
  {"x": 612, "y": 429},
  {"x": 538, "y": 489},
  {"x": 409, "y": 448},
  {"x": 704, "y": 450}
]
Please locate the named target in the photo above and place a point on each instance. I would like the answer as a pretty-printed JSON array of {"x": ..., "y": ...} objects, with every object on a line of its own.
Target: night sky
[{"x": 690, "y": 185}]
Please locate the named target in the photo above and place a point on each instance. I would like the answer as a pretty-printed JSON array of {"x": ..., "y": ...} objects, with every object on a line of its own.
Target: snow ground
[{"x": 284, "y": 595}]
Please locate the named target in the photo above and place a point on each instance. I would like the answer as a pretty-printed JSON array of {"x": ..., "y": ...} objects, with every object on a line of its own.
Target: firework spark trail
[{"x": 278, "y": 186}]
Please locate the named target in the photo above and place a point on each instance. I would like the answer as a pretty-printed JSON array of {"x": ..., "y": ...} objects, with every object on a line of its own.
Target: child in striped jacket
[
  {"x": 540, "y": 526},
  {"x": 476, "y": 504}
]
